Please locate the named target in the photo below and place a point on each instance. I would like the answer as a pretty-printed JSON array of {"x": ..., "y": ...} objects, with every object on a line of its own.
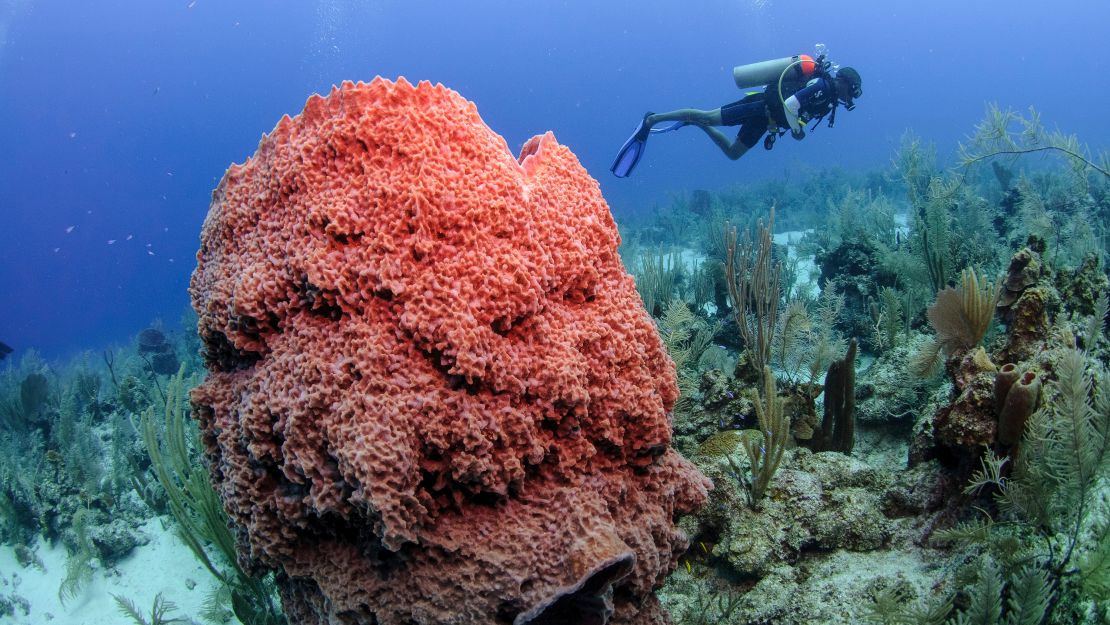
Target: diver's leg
[
  {"x": 732, "y": 149},
  {"x": 751, "y": 130},
  {"x": 690, "y": 116}
]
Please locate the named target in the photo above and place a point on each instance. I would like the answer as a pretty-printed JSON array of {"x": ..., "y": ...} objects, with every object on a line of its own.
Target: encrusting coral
[{"x": 434, "y": 395}]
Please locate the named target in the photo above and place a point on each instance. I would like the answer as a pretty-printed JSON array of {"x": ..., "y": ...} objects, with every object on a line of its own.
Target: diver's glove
[{"x": 791, "y": 107}]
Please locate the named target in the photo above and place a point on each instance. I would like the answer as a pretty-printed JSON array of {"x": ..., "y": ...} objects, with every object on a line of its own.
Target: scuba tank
[{"x": 800, "y": 67}]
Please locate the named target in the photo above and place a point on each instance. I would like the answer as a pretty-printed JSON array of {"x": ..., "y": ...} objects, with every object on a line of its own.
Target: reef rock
[
  {"x": 1027, "y": 302},
  {"x": 818, "y": 502},
  {"x": 434, "y": 395},
  {"x": 967, "y": 425}
]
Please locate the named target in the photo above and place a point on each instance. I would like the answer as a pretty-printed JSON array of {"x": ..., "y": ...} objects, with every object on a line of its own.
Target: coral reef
[
  {"x": 967, "y": 424},
  {"x": 1082, "y": 290},
  {"x": 853, "y": 270},
  {"x": 887, "y": 393},
  {"x": 832, "y": 529},
  {"x": 771, "y": 563},
  {"x": 1029, "y": 299},
  {"x": 434, "y": 396},
  {"x": 153, "y": 345},
  {"x": 72, "y": 469}
]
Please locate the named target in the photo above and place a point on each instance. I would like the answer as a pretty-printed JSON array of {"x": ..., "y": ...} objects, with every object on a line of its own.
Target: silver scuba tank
[{"x": 799, "y": 67}]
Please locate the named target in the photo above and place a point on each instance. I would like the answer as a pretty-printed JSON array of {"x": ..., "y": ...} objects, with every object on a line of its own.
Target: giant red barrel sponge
[{"x": 433, "y": 394}]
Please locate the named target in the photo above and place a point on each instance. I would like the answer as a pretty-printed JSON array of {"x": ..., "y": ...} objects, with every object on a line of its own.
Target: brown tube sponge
[
  {"x": 1003, "y": 380},
  {"x": 1021, "y": 401}
]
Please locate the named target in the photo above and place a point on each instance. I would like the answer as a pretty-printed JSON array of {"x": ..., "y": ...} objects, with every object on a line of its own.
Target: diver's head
[{"x": 849, "y": 86}]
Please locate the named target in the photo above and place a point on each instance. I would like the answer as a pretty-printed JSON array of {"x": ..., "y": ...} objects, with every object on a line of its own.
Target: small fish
[
  {"x": 73, "y": 135},
  {"x": 70, "y": 229},
  {"x": 156, "y": 89},
  {"x": 689, "y": 569},
  {"x": 129, "y": 237},
  {"x": 150, "y": 253},
  {"x": 191, "y": 4},
  {"x": 4, "y": 350},
  {"x": 171, "y": 260},
  {"x": 57, "y": 249},
  {"x": 170, "y": 174},
  {"x": 111, "y": 241}
]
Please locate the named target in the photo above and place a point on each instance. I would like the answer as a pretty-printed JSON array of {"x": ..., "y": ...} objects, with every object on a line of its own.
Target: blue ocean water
[{"x": 119, "y": 117}]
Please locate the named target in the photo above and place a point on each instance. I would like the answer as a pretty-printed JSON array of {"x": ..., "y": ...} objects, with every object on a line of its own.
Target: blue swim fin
[{"x": 631, "y": 151}]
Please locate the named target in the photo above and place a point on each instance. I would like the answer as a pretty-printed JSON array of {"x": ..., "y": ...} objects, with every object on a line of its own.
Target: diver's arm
[{"x": 793, "y": 105}]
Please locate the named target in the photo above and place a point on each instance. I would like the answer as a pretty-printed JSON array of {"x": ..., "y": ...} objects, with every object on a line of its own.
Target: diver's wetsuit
[{"x": 756, "y": 113}]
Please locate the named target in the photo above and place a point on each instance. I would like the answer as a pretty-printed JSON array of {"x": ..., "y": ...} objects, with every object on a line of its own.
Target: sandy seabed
[{"x": 164, "y": 565}]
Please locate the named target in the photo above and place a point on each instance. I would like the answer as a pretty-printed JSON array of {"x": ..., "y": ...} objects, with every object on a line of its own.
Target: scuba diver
[{"x": 799, "y": 89}]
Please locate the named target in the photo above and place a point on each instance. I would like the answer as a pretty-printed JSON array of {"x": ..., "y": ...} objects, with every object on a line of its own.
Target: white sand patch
[
  {"x": 164, "y": 565},
  {"x": 837, "y": 587},
  {"x": 808, "y": 272},
  {"x": 691, "y": 258}
]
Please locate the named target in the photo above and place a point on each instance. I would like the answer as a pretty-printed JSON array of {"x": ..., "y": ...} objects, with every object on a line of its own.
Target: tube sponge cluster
[{"x": 434, "y": 395}]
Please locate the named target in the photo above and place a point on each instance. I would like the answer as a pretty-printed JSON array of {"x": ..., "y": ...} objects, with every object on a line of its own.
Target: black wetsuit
[{"x": 758, "y": 112}]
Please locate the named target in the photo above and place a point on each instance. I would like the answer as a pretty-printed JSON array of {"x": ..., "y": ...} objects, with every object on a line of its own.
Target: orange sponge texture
[{"x": 433, "y": 395}]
